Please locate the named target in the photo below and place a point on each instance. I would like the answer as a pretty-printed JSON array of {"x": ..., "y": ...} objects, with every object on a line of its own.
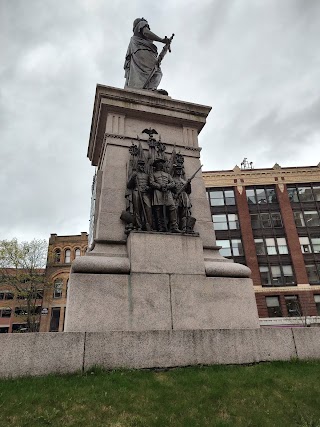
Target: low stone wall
[{"x": 47, "y": 353}]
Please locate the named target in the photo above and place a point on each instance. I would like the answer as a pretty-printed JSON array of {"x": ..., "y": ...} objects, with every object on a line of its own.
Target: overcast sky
[{"x": 256, "y": 62}]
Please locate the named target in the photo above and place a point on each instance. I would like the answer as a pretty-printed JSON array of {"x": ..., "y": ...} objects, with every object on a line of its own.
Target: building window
[
  {"x": 220, "y": 222},
  {"x": 293, "y": 195},
  {"x": 276, "y": 275},
  {"x": 19, "y": 327},
  {"x": 57, "y": 255},
  {"x": 299, "y": 220},
  {"x": 266, "y": 220},
  {"x": 304, "y": 194},
  {"x": 293, "y": 306},
  {"x": 305, "y": 245},
  {"x": 306, "y": 219},
  {"x": 5, "y": 312},
  {"x": 21, "y": 311},
  {"x": 236, "y": 246},
  {"x": 222, "y": 197},
  {"x": 311, "y": 218},
  {"x": 225, "y": 221},
  {"x": 6, "y": 295},
  {"x": 315, "y": 244},
  {"x": 273, "y": 306},
  {"x": 276, "y": 219},
  {"x": 57, "y": 292},
  {"x": 67, "y": 256},
  {"x": 282, "y": 245},
  {"x": 265, "y": 275},
  {"x": 230, "y": 247},
  {"x": 317, "y": 301},
  {"x": 77, "y": 252},
  {"x": 316, "y": 192},
  {"x": 261, "y": 196},
  {"x": 225, "y": 247},
  {"x": 313, "y": 273},
  {"x": 271, "y": 246},
  {"x": 55, "y": 319},
  {"x": 255, "y": 221},
  {"x": 260, "y": 247}
]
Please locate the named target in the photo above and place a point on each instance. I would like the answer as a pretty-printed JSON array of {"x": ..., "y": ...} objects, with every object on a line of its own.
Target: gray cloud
[{"x": 256, "y": 63}]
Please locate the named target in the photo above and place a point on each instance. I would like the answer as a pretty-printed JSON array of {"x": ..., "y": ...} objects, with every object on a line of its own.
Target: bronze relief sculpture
[{"x": 157, "y": 193}]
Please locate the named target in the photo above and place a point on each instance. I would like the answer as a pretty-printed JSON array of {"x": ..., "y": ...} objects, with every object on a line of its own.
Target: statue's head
[
  {"x": 141, "y": 164},
  {"x": 136, "y": 22},
  {"x": 159, "y": 164},
  {"x": 178, "y": 170}
]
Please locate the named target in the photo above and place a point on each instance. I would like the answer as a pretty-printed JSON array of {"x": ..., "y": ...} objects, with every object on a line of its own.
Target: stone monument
[{"x": 152, "y": 262}]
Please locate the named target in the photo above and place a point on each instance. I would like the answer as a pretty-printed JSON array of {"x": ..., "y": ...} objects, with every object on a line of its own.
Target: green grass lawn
[{"x": 269, "y": 394}]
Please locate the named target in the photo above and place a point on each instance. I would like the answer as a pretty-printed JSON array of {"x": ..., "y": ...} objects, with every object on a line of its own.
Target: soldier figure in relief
[
  {"x": 163, "y": 184},
  {"x": 181, "y": 196},
  {"x": 140, "y": 186}
]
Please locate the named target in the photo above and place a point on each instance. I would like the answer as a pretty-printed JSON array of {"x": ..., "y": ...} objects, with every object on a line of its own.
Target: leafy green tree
[{"x": 22, "y": 268}]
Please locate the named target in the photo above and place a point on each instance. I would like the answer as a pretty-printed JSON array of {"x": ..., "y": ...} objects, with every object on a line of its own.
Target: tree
[{"x": 22, "y": 267}]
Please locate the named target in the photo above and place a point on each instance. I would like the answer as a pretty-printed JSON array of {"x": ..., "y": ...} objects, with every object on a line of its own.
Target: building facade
[
  {"x": 62, "y": 250},
  {"x": 269, "y": 219},
  {"x": 13, "y": 305},
  {"x": 50, "y": 300}
]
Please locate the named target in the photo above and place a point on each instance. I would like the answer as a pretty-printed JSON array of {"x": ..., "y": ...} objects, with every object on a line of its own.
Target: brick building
[
  {"x": 51, "y": 304},
  {"x": 269, "y": 219},
  {"x": 62, "y": 250},
  {"x": 13, "y": 305}
]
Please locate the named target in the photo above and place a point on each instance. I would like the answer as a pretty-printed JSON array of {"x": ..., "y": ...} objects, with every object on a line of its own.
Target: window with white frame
[
  {"x": 67, "y": 256},
  {"x": 273, "y": 306},
  {"x": 222, "y": 197},
  {"x": 225, "y": 221},
  {"x": 298, "y": 218},
  {"x": 230, "y": 247},
  {"x": 315, "y": 241},
  {"x": 77, "y": 252},
  {"x": 276, "y": 275},
  {"x": 271, "y": 246},
  {"x": 305, "y": 245}
]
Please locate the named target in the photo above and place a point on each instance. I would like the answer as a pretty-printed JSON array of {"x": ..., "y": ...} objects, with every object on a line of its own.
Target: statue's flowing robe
[{"x": 140, "y": 60}]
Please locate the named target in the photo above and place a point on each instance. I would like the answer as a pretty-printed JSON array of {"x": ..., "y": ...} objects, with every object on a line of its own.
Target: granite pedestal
[{"x": 151, "y": 281}]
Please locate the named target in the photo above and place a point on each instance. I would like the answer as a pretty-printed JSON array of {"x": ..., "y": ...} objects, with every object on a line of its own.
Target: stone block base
[
  {"x": 144, "y": 301},
  {"x": 48, "y": 353}
]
